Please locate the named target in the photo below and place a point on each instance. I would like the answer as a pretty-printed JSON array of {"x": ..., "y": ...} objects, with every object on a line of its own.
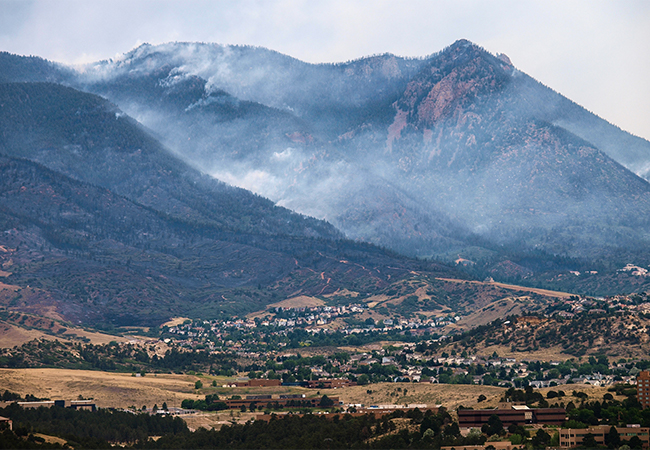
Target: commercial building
[
  {"x": 643, "y": 388},
  {"x": 74, "y": 404},
  {"x": 573, "y": 437},
  {"x": 510, "y": 414}
]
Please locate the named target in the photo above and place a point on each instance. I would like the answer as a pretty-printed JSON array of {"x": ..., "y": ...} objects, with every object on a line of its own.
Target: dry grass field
[
  {"x": 123, "y": 390},
  {"x": 21, "y": 328},
  {"x": 301, "y": 301},
  {"x": 493, "y": 311},
  {"x": 514, "y": 287},
  {"x": 117, "y": 390},
  {"x": 543, "y": 354},
  {"x": 448, "y": 395},
  {"x": 216, "y": 419},
  {"x": 52, "y": 439},
  {"x": 175, "y": 322},
  {"x": 12, "y": 335}
]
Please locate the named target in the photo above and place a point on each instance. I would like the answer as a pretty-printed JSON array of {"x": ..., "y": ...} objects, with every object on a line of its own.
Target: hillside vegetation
[{"x": 616, "y": 335}]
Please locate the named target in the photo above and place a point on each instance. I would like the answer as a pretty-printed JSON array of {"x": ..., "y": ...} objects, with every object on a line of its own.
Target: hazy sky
[{"x": 595, "y": 52}]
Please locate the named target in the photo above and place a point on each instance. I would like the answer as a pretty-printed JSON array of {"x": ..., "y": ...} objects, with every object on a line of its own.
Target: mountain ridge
[{"x": 458, "y": 154}]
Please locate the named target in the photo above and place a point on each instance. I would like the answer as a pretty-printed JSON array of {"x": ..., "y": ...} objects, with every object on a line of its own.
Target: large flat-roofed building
[
  {"x": 43, "y": 403},
  {"x": 643, "y": 388},
  {"x": 573, "y": 437},
  {"x": 88, "y": 405},
  {"x": 510, "y": 414},
  {"x": 74, "y": 404}
]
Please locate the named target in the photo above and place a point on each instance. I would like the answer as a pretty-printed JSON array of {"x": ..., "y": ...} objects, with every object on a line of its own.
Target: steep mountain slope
[
  {"x": 85, "y": 137},
  {"x": 99, "y": 258},
  {"x": 466, "y": 125},
  {"x": 75, "y": 251},
  {"x": 152, "y": 239}
]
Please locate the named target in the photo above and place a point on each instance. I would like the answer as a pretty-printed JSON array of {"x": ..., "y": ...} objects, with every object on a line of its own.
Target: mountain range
[
  {"x": 432, "y": 157},
  {"x": 454, "y": 157}
]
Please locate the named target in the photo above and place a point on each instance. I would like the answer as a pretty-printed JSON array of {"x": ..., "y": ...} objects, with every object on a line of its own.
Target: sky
[{"x": 595, "y": 52}]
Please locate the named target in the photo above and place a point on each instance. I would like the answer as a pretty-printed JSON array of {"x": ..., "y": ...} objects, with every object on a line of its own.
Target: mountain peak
[
  {"x": 462, "y": 43},
  {"x": 470, "y": 50}
]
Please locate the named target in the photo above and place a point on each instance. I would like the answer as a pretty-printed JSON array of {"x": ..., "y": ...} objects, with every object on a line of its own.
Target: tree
[
  {"x": 518, "y": 429},
  {"x": 636, "y": 442},
  {"x": 612, "y": 439},
  {"x": 481, "y": 398},
  {"x": 164, "y": 406},
  {"x": 516, "y": 439},
  {"x": 325, "y": 402},
  {"x": 198, "y": 384},
  {"x": 493, "y": 426},
  {"x": 541, "y": 439},
  {"x": 555, "y": 440},
  {"x": 589, "y": 441},
  {"x": 474, "y": 437}
]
